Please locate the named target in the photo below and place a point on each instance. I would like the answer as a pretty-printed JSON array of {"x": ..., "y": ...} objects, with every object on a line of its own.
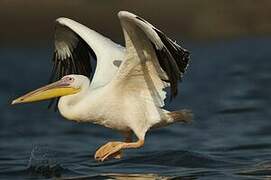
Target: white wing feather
[
  {"x": 139, "y": 73},
  {"x": 105, "y": 50}
]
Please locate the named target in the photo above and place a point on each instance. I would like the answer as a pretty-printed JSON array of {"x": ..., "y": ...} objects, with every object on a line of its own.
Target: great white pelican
[{"x": 127, "y": 90}]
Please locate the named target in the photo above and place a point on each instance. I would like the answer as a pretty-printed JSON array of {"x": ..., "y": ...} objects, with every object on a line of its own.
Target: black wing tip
[{"x": 174, "y": 60}]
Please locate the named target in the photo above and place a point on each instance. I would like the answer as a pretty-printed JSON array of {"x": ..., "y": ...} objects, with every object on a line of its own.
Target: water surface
[{"x": 227, "y": 86}]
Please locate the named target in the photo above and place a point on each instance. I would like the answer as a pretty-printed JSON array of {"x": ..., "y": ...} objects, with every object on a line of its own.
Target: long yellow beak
[{"x": 53, "y": 90}]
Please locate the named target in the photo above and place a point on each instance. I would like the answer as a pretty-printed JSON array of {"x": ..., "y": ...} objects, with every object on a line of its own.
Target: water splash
[{"x": 42, "y": 162}]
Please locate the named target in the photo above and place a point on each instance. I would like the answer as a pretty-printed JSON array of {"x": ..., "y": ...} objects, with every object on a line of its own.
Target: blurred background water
[{"x": 227, "y": 86}]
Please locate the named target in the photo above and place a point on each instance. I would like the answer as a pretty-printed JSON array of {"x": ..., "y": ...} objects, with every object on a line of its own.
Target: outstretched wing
[
  {"x": 71, "y": 55},
  {"x": 152, "y": 60},
  {"x": 75, "y": 47}
]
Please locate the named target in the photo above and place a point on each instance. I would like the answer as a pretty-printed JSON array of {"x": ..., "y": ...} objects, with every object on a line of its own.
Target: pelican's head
[{"x": 68, "y": 85}]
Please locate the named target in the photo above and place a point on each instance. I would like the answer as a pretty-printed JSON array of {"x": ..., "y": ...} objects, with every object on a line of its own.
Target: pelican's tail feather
[{"x": 184, "y": 115}]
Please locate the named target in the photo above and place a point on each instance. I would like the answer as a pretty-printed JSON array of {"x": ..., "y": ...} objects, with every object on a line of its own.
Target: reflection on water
[{"x": 227, "y": 87}]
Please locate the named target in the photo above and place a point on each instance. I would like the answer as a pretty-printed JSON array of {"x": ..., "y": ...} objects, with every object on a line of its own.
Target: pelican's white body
[{"x": 113, "y": 109}]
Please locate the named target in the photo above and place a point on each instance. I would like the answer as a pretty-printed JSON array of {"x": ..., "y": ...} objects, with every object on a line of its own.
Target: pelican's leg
[
  {"x": 111, "y": 148},
  {"x": 127, "y": 138}
]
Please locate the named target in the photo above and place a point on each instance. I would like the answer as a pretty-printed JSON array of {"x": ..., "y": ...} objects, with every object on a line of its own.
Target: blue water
[{"x": 227, "y": 86}]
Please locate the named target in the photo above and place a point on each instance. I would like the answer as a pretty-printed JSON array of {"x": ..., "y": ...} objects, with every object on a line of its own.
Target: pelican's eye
[{"x": 68, "y": 79}]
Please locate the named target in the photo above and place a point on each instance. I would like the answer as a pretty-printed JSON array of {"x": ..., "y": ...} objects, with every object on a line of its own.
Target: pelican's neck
[{"x": 68, "y": 104}]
